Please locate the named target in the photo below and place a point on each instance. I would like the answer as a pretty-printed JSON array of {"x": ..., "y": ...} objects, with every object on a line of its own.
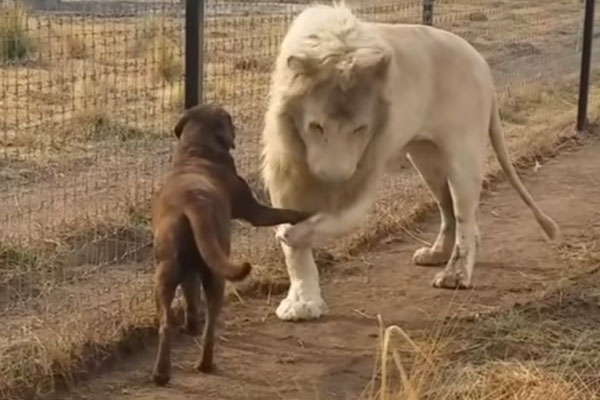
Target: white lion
[{"x": 348, "y": 97}]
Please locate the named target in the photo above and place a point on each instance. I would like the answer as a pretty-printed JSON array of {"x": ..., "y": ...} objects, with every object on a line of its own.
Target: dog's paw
[
  {"x": 191, "y": 328},
  {"x": 301, "y": 309},
  {"x": 206, "y": 367},
  {"x": 161, "y": 378}
]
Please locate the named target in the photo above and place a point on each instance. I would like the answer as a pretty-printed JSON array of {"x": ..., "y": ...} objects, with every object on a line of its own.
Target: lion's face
[{"x": 336, "y": 127}]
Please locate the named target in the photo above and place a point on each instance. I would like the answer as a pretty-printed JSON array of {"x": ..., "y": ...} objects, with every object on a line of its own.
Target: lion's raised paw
[{"x": 299, "y": 235}]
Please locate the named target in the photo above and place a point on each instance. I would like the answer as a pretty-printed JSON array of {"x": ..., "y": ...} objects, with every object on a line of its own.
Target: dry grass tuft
[
  {"x": 176, "y": 100},
  {"x": 23, "y": 270},
  {"x": 93, "y": 121},
  {"x": 166, "y": 63},
  {"x": 76, "y": 46},
  {"x": 46, "y": 348},
  {"x": 95, "y": 125},
  {"x": 44, "y": 359},
  {"x": 16, "y": 43},
  {"x": 152, "y": 28},
  {"x": 548, "y": 348},
  {"x": 478, "y": 363},
  {"x": 478, "y": 16}
]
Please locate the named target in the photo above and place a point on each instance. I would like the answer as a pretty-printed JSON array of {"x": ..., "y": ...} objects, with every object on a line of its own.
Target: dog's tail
[{"x": 210, "y": 248}]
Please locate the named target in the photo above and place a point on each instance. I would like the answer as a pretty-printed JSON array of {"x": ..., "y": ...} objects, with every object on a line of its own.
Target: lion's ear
[
  {"x": 300, "y": 65},
  {"x": 371, "y": 62}
]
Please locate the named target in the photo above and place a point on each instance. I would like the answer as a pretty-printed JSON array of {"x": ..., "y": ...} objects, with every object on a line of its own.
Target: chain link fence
[{"x": 90, "y": 91}]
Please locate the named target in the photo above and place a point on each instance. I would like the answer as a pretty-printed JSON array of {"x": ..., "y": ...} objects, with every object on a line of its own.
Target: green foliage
[{"x": 16, "y": 43}]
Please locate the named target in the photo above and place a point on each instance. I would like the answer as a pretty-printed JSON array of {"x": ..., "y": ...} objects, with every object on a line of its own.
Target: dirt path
[{"x": 260, "y": 357}]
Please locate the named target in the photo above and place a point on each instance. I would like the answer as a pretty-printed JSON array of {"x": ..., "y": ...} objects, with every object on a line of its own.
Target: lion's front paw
[
  {"x": 426, "y": 256},
  {"x": 451, "y": 280},
  {"x": 299, "y": 235},
  {"x": 297, "y": 309}
]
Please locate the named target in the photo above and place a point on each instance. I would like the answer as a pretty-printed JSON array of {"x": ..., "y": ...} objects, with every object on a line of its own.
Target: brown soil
[{"x": 260, "y": 357}]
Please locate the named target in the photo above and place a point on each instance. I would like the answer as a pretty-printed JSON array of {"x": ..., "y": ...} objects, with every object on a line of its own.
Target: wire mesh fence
[
  {"x": 90, "y": 93},
  {"x": 594, "y": 111}
]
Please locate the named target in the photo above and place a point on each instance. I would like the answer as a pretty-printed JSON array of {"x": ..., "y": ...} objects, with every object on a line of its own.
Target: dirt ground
[{"x": 260, "y": 357}]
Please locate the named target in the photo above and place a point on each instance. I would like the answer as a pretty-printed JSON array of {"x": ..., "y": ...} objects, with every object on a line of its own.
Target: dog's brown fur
[{"x": 191, "y": 217}]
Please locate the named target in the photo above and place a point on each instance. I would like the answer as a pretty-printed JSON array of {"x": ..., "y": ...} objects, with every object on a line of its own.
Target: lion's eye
[
  {"x": 360, "y": 130},
  {"x": 315, "y": 127}
]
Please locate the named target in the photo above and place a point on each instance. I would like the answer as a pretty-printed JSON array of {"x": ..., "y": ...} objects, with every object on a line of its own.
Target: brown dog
[{"x": 191, "y": 218}]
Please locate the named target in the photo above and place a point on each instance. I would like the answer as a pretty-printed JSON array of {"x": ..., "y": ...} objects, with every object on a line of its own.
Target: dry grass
[
  {"x": 449, "y": 366},
  {"x": 42, "y": 358},
  {"x": 167, "y": 65},
  {"x": 547, "y": 349},
  {"x": 52, "y": 329}
]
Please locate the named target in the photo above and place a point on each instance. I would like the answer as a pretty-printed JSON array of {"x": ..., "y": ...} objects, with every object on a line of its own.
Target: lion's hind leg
[
  {"x": 427, "y": 160},
  {"x": 465, "y": 179}
]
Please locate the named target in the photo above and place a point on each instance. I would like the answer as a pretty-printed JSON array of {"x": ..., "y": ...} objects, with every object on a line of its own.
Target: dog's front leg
[
  {"x": 261, "y": 215},
  {"x": 248, "y": 208}
]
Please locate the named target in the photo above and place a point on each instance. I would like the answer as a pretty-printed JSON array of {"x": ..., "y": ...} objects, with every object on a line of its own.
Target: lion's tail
[
  {"x": 209, "y": 247},
  {"x": 497, "y": 138}
]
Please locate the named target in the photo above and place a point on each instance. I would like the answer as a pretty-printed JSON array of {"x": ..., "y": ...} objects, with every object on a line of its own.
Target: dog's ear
[
  {"x": 226, "y": 130},
  {"x": 181, "y": 123}
]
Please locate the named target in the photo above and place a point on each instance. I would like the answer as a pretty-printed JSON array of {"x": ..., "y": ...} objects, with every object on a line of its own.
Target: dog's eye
[
  {"x": 360, "y": 130},
  {"x": 315, "y": 127}
]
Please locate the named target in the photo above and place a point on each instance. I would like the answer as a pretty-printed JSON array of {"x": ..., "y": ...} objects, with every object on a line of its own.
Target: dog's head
[{"x": 206, "y": 125}]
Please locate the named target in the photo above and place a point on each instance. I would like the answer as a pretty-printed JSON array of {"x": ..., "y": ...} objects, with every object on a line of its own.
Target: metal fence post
[
  {"x": 428, "y": 12},
  {"x": 194, "y": 52},
  {"x": 586, "y": 60}
]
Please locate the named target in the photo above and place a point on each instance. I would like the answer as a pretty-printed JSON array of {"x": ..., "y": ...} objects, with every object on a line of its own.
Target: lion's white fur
[{"x": 349, "y": 97}]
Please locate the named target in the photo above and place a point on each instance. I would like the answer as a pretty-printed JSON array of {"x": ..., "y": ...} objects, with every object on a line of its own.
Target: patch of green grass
[
  {"x": 16, "y": 42},
  {"x": 23, "y": 270},
  {"x": 140, "y": 216},
  {"x": 17, "y": 257}
]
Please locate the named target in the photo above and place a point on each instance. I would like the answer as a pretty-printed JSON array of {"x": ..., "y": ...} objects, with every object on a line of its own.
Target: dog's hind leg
[
  {"x": 214, "y": 290},
  {"x": 190, "y": 287},
  {"x": 166, "y": 280}
]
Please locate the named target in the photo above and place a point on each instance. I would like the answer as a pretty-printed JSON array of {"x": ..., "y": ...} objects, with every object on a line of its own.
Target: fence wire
[{"x": 90, "y": 91}]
